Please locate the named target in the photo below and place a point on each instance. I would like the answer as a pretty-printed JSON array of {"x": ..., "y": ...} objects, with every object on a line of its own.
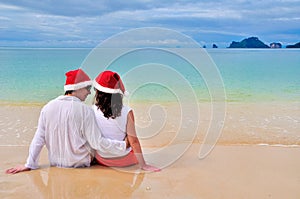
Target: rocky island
[
  {"x": 251, "y": 42},
  {"x": 275, "y": 45}
]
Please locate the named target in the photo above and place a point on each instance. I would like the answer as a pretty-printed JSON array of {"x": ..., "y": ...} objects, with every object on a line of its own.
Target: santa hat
[
  {"x": 109, "y": 82},
  {"x": 77, "y": 79}
]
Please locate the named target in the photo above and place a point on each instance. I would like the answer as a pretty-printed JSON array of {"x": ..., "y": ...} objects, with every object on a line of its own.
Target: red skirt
[{"x": 128, "y": 160}]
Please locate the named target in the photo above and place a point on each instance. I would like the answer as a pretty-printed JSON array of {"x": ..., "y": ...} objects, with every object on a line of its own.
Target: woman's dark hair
[{"x": 110, "y": 104}]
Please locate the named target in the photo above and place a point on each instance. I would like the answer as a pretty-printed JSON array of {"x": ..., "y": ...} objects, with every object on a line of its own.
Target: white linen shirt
[{"x": 70, "y": 132}]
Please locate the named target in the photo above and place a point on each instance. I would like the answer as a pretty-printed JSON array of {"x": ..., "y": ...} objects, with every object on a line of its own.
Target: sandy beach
[{"x": 257, "y": 156}]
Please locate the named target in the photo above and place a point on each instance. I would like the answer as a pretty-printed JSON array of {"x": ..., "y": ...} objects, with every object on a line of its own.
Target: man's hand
[{"x": 17, "y": 169}]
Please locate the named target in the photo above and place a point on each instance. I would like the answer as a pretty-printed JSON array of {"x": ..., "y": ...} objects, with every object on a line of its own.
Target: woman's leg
[{"x": 127, "y": 160}]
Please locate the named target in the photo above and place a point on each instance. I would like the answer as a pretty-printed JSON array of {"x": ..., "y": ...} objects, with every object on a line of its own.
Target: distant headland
[
  {"x": 297, "y": 45},
  {"x": 254, "y": 42}
]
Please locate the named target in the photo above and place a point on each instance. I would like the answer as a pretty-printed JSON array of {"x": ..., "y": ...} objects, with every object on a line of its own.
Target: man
[{"x": 69, "y": 130}]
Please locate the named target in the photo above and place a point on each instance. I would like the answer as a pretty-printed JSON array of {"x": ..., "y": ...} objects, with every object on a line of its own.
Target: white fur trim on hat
[
  {"x": 105, "y": 89},
  {"x": 126, "y": 93},
  {"x": 72, "y": 87}
]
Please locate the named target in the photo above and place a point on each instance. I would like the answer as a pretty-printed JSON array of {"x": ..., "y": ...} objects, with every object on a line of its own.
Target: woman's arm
[{"x": 135, "y": 143}]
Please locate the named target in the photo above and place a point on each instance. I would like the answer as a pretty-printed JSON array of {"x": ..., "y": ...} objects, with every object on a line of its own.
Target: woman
[{"x": 116, "y": 122}]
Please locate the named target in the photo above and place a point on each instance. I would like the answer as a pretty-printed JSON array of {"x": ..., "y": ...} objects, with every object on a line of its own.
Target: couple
[{"x": 76, "y": 134}]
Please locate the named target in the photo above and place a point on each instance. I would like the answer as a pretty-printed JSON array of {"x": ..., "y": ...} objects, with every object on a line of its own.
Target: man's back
[{"x": 63, "y": 123}]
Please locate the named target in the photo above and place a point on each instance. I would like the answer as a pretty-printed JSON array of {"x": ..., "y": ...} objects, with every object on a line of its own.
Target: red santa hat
[
  {"x": 77, "y": 79},
  {"x": 109, "y": 82}
]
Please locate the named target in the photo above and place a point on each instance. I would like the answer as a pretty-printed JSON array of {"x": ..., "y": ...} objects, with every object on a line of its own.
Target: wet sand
[
  {"x": 236, "y": 168},
  {"x": 227, "y": 172},
  {"x": 244, "y": 123}
]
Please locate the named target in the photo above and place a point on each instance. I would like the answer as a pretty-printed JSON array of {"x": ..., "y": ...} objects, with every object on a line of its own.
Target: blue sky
[{"x": 85, "y": 23}]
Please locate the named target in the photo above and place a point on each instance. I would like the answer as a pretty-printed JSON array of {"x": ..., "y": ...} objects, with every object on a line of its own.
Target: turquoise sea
[{"x": 36, "y": 75}]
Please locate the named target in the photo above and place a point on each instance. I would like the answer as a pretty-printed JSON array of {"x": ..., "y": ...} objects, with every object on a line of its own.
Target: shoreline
[{"x": 274, "y": 124}]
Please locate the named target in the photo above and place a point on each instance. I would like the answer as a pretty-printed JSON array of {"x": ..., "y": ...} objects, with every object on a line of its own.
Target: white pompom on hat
[
  {"x": 109, "y": 82},
  {"x": 77, "y": 79}
]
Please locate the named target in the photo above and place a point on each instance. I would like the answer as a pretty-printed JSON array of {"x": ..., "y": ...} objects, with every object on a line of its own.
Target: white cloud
[{"x": 9, "y": 7}]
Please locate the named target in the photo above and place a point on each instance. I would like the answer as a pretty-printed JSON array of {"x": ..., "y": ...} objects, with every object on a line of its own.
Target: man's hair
[
  {"x": 68, "y": 92},
  {"x": 110, "y": 104}
]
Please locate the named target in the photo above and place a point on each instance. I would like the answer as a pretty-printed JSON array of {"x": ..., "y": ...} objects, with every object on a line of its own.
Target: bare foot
[{"x": 151, "y": 168}]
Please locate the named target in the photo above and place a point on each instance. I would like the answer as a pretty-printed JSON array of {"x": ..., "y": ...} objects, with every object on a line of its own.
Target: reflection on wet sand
[{"x": 84, "y": 183}]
